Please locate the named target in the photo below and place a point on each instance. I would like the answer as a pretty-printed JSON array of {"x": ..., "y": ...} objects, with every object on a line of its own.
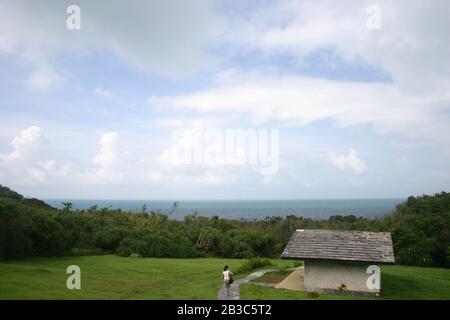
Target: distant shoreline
[{"x": 247, "y": 209}]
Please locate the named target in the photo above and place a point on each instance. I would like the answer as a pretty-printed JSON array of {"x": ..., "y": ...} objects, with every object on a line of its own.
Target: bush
[
  {"x": 129, "y": 246},
  {"x": 313, "y": 293},
  {"x": 253, "y": 264},
  {"x": 86, "y": 252},
  {"x": 109, "y": 239},
  {"x": 27, "y": 230},
  {"x": 159, "y": 244},
  {"x": 297, "y": 263},
  {"x": 447, "y": 254},
  {"x": 420, "y": 229},
  {"x": 343, "y": 287},
  {"x": 236, "y": 244}
]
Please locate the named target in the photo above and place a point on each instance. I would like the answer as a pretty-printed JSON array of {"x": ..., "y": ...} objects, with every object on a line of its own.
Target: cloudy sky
[{"x": 359, "y": 92}]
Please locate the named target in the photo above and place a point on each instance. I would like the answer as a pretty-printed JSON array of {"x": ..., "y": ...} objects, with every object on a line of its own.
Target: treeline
[{"x": 420, "y": 228}]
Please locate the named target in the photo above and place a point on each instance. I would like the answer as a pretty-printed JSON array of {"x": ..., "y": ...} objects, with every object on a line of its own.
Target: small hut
[{"x": 338, "y": 261}]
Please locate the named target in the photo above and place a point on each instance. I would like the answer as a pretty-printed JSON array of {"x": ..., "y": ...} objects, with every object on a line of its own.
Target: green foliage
[
  {"x": 77, "y": 252},
  {"x": 7, "y": 193},
  {"x": 447, "y": 255},
  {"x": 297, "y": 263},
  {"x": 26, "y": 230},
  {"x": 313, "y": 294},
  {"x": 420, "y": 229},
  {"x": 67, "y": 206},
  {"x": 157, "y": 243},
  {"x": 253, "y": 264},
  {"x": 236, "y": 244},
  {"x": 342, "y": 287},
  {"x": 209, "y": 239},
  {"x": 109, "y": 238}
]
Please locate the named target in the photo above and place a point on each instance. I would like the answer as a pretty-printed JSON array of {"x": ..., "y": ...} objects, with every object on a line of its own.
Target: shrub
[
  {"x": 129, "y": 246},
  {"x": 420, "y": 229},
  {"x": 86, "y": 252},
  {"x": 297, "y": 263},
  {"x": 109, "y": 239},
  {"x": 235, "y": 244},
  {"x": 343, "y": 287},
  {"x": 159, "y": 244},
  {"x": 254, "y": 263},
  {"x": 447, "y": 254},
  {"x": 313, "y": 293}
]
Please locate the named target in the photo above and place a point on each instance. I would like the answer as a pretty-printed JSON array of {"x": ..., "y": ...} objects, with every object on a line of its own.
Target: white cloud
[
  {"x": 179, "y": 165},
  {"x": 173, "y": 38},
  {"x": 25, "y": 145},
  {"x": 108, "y": 149},
  {"x": 43, "y": 78},
  {"x": 174, "y": 121},
  {"x": 348, "y": 161},
  {"x": 411, "y": 46},
  {"x": 21, "y": 165},
  {"x": 167, "y": 37},
  {"x": 108, "y": 161},
  {"x": 28, "y": 163},
  {"x": 297, "y": 101},
  {"x": 102, "y": 93}
]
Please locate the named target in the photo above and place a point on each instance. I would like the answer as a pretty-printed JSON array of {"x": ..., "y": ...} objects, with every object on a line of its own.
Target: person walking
[{"x": 227, "y": 277}]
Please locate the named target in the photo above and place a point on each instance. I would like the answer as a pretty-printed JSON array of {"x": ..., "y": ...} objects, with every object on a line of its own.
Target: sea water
[{"x": 247, "y": 209}]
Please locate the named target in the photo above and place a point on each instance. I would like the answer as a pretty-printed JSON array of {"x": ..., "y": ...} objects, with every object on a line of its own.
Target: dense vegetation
[{"x": 29, "y": 227}]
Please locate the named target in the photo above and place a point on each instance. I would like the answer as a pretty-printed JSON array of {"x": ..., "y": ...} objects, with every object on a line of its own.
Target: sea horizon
[{"x": 245, "y": 208}]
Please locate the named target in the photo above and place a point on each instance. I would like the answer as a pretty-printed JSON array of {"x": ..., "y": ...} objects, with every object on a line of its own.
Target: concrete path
[
  {"x": 234, "y": 288},
  {"x": 294, "y": 281}
]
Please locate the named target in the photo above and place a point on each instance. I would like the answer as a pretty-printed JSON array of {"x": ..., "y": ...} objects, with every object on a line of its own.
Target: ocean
[{"x": 248, "y": 209}]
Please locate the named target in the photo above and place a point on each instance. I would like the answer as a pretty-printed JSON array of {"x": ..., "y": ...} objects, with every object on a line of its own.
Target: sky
[{"x": 355, "y": 96}]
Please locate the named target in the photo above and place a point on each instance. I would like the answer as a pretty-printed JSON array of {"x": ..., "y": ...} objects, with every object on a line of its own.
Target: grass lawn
[
  {"x": 113, "y": 277},
  {"x": 397, "y": 282},
  {"x": 255, "y": 292}
]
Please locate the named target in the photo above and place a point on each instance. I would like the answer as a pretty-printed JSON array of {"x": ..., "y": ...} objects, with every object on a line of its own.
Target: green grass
[
  {"x": 397, "y": 282},
  {"x": 401, "y": 282},
  {"x": 113, "y": 277},
  {"x": 255, "y": 292}
]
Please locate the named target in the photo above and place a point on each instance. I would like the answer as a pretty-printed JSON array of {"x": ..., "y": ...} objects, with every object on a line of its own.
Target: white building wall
[{"x": 323, "y": 275}]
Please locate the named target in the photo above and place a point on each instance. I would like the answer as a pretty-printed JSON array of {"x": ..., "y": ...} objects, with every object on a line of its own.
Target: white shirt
[{"x": 226, "y": 275}]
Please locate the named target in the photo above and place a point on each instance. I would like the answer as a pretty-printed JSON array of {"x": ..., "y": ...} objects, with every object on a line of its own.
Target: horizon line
[{"x": 226, "y": 199}]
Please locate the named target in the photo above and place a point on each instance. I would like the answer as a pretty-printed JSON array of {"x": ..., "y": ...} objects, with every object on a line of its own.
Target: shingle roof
[{"x": 340, "y": 245}]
